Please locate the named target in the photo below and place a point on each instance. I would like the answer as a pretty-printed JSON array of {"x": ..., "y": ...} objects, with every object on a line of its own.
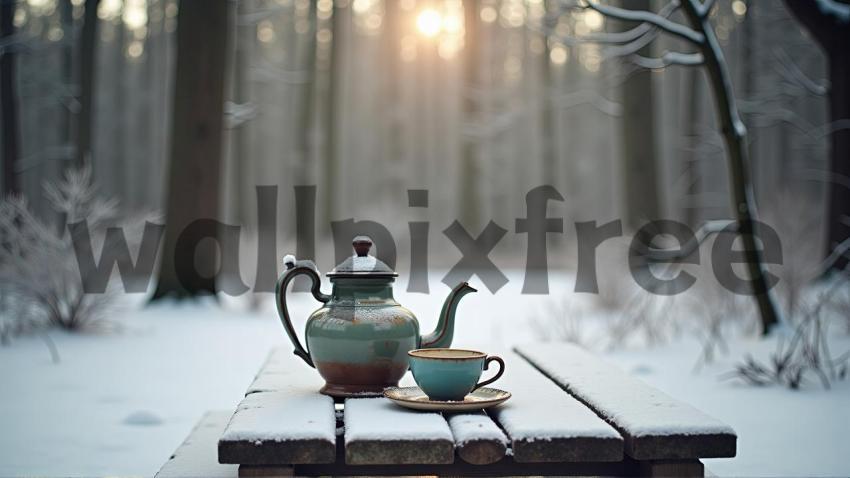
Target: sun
[{"x": 429, "y": 22}]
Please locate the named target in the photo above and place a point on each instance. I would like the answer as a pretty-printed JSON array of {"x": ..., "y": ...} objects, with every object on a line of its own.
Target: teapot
[{"x": 358, "y": 340}]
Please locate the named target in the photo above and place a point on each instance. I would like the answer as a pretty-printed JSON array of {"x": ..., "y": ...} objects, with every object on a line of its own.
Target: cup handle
[{"x": 492, "y": 358}]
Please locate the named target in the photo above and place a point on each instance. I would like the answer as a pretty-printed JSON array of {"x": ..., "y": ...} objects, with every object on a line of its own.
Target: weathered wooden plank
[
  {"x": 287, "y": 422},
  {"x": 196, "y": 457},
  {"x": 654, "y": 425},
  {"x": 377, "y": 432},
  {"x": 545, "y": 424},
  {"x": 478, "y": 440}
]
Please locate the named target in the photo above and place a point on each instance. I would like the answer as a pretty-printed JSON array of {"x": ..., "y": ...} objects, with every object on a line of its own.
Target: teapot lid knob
[{"x": 362, "y": 244}]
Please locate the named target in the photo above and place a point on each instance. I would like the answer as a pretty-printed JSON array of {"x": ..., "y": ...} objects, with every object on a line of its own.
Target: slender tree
[
  {"x": 331, "y": 121},
  {"x": 467, "y": 181},
  {"x": 9, "y": 99},
  {"x": 303, "y": 141},
  {"x": 548, "y": 111},
  {"x": 196, "y": 144},
  {"x": 691, "y": 156},
  {"x": 699, "y": 32},
  {"x": 87, "y": 55},
  {"x": 637, "y": 124},
  {"x": 828, "y": 21}
]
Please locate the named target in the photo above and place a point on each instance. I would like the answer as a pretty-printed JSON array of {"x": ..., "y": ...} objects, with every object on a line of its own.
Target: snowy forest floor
[{"x": 119, "y": 402}]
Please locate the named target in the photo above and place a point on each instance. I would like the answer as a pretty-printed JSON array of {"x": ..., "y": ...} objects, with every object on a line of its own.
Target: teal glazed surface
[
  {"x": 362, "y": 335},
  {"x": 444, "y": 378},
  {"x": 359, "y": 339}
]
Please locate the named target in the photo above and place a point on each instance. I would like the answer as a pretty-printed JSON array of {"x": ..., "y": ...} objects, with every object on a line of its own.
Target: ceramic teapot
[{"x": 359, "y": 339}]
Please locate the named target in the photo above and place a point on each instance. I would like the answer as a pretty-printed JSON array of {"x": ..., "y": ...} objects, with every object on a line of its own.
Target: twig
[{"x": 51, "y": 346}]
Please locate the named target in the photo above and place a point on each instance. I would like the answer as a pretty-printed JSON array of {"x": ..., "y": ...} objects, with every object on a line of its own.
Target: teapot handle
[{"x": 294, "y": 269}]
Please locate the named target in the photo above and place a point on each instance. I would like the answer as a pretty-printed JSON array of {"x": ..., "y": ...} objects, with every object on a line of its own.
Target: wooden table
[{"x": 571, "y": 414}]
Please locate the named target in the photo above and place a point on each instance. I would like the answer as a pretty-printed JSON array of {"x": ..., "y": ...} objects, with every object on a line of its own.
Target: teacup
[{"x": 451, "y": 374}]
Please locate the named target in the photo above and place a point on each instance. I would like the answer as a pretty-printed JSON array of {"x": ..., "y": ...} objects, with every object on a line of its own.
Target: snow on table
[
  {"x": 654, "y": 425},
  {"x": 287, "y": 421},
  {"x": 377, "y": 432},
  {"x": 283, "y": 416},
  {"x": 283, "y": 371},
  {"x": 546, "y": 424}
]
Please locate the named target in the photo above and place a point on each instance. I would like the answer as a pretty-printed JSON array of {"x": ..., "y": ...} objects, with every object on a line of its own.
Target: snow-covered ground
[{"x": 120, "y": 403}]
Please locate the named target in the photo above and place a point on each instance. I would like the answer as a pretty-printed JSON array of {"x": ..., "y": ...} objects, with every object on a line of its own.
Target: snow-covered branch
[
  {"x": 688, "y": 248},
  {"x": 669, "y": 58},
  {"x": 637, "y": 33},
  {"x": 664, "y": 24}
]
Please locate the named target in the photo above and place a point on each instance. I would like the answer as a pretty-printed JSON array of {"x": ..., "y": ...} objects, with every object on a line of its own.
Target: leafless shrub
[
  {"x": 40, "y": 280},
  {"x": 714, "y": 313},
  {"x": 806, "y": 353}
]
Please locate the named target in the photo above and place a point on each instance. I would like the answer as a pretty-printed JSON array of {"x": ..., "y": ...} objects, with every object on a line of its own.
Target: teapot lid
[{"x": 361, "y": 264}]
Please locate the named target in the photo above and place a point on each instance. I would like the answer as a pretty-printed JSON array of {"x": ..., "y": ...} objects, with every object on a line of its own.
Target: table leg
[
  {"x": 666, "y": 468},
  {"x": 264, "y": 471}
]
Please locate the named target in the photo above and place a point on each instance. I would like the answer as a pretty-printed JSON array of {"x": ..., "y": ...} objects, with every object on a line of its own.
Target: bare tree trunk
[
  {"x": 196, "y": 141},
  {"x": 66, "y": 18},
  {"x": 839, "y": 110},
  {"x": 331, "y": 129},
  {"x": 639, "y": 141},
  {"x": 550, "y": 161},
  {"x": 8, "y": 97},
  {"x": 467, "y": 179},
  {"x": 832, "y": 31},
  {"x": 692, "y": 157},
  {"x": 87, "y": 54},
  {"x": 305, "y": 113},
  {"x": 735, "y": 138},
  {"x": 749, "y": 67},
  {"x": 393, "y": 131}
]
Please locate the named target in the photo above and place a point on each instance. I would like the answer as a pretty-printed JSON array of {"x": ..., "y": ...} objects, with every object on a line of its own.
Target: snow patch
[{"x": 142, "y": 418}]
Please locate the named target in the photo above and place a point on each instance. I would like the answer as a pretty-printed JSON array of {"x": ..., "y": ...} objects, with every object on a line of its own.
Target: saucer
[{"x": 415, "y": 398}]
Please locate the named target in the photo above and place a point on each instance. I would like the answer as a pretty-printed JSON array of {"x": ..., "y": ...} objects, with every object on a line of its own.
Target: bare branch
[
  {"x": 637, "y": 33},
  {"x": 839, "y": 251},
  {"x": 668, "y": 58},
  {"x": 631, "y": 47},
  {"x": 651, "y": 18},
  {"x": 791, "y": 72},
  {"x": 705, "y": 9},
  {"x": 688, "y": 248}
]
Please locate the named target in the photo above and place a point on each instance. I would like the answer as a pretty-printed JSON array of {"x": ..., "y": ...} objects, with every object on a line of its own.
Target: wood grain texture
[
  {"x": 544, "y": 424},
  {"x": 654, "y": 425}
]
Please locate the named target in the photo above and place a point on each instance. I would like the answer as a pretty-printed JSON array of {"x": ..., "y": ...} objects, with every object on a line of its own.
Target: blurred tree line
[{"x": 477, "y": 101}]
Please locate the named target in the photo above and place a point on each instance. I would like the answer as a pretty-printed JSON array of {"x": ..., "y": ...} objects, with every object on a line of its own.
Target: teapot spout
[{"x": 443, "y": 334}]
